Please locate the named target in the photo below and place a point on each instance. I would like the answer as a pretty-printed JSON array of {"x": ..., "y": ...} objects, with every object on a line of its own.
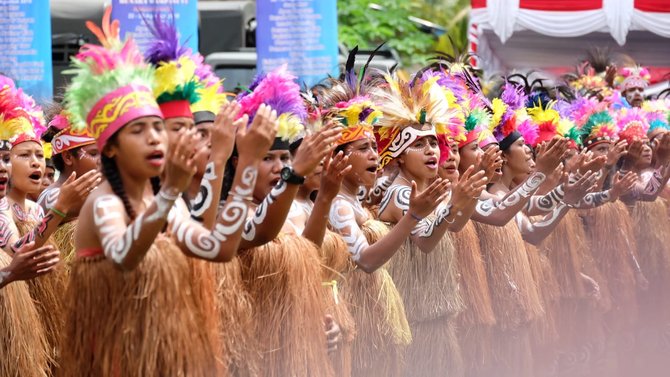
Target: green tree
[{"x": 360, "y": 25}]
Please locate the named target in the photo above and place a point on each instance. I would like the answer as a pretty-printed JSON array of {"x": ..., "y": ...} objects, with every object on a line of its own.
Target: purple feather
[
  {"x": 165, "y": 46},
  {"x": 513, "y": 96}
]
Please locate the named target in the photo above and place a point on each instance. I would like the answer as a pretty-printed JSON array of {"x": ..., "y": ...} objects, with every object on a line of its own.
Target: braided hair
[{"x": 111, "y": 172}]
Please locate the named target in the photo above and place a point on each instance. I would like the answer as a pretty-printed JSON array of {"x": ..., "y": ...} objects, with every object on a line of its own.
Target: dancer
[
  {"x": 424, "y": 269},
  {"x": 128, "y": 273}
]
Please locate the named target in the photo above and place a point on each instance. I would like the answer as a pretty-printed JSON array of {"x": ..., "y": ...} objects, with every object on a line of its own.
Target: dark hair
[
  {"x": 111, "y": 172},
  {"x": 229, "y": 175}
]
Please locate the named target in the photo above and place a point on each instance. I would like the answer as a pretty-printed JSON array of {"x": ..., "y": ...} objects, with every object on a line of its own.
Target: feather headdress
[
  {"x": 632, "y": 124},
  {"x": 346, "y": 101},
  {"x": 632, "y": 77},
  {"x": 658, "y": 116},
  {"x": 511, "y": 121},
  {"x": 595, "y": 124},
  {"x": 279, "y": 90},
  {"x": 21, "y": 119},
  {"x": 410, "y": 112},
  {"x": 67, "y": 138},
  {"x": 177, "y": 85},
  {"x": 111, "y": 84},
  {"x": 211, "y": 92}
]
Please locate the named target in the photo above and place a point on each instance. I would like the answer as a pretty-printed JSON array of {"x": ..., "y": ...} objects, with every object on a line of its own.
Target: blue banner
[
  {"x": 300, "y": 33},
  {"x": 130, "y": 14},
  {"x": 25, "y": 42}
]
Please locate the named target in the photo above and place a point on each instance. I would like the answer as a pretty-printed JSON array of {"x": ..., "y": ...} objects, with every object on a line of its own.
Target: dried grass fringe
[
  {"x": 383, "y": 330},
  {"x": 473, "y": 281},
  {"x": 610, "y": 233},
  {"x": 337, "y": 265},
  {"x": 144, "y": 322},
  {"x": 23, "y": 343},
  {"x": 563, "y": 247},
  {"x": 516, "y": 301},
  {"x": 543, "y": 330},
  {"x": 435, "y": 351},
  {"x": 239, "y": 351},
  {"x": 284, "y": 280},
  {"x": 63, "y": 239},
  {"x": 427, "y": 282},
  {"x": 652, "y": 233},
  {"x": 47, "y": 292}
]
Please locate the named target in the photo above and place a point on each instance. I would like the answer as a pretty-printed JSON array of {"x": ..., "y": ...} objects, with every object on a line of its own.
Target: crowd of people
[{"x": 377, "y": 225}]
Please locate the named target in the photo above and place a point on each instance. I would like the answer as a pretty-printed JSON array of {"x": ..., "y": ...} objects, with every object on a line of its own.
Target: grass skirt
[
  {"x": 63, "y": 239},
  {"x": 144, "y": 322},
  {"x": 239, "y": 352},
  {"x": 337, "y": 265},
  {"x": 23, "y": 343},
  {"x": 516, "y": 301},
  {"x": 428, "y": 284},
  {"x": 47, "y": 291},
  {"x": 610, "y": 233},
  {"x": 477, "y": 320},
  {"x": 579, "y": 318},
  {"x": 377, "y": 307},
  {"x": 652, "y": 233},
  {"x": 283, "y": 278}
]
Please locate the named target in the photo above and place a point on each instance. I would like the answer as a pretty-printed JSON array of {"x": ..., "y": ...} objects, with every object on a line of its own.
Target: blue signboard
[
  {"x": 25, "y": 42},
  {"x": 300, "y": 33},
  {"x": 130, "y": 14}
]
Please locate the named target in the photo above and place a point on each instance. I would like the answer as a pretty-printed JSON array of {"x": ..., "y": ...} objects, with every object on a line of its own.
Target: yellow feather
[{"x": 289, "y": 127}]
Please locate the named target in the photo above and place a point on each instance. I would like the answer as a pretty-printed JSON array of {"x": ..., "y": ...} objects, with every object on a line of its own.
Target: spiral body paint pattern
[
  {"x": 262, "y": 211},
  {"x": 529, "y": 187},
  {"x": 203, "y": 200},
  {"x": 342, "y": 218}
]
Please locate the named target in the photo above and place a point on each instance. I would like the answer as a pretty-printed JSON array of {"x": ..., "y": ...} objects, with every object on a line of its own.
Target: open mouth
[
  {"x": 156, "y": 158},
  {"x": 3, "y": 182},
  {"x": 431, "y": 163},
  {"x": 372, "y": 169},
  {"x": 274, "y": 182},
  {"x": 35, "y": 176}
]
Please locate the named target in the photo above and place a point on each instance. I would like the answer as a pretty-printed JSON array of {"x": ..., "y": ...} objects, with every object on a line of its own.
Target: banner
[
  {"x": 300, "y": 33},
  {"x": 25, "y": 42},
  {"x": 130, "y": 14}
]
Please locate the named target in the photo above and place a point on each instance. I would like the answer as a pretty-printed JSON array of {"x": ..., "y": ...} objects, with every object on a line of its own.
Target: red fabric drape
[
  {"x": 662, "y": 6},
  {"x": 561, "y": 5}
]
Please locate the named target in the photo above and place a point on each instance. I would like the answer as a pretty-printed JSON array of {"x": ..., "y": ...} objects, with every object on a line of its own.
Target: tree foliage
[{"x": 360, "y": 25}]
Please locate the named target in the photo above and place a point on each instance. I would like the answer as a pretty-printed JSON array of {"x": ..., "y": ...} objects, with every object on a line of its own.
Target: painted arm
[
  {"x": 203, "y": 206},
  {"x": 368, "y": 257},
  {"x": 269, "y": 217},
  {"x": 543, "y": 204},
  {"x": 498, "y": 212},
  {"x": 427, "y": 232},
  {"x": 650, "y": 189},
  {"x": 535, "y": 232},
  {"x": 315, "y": 227}
]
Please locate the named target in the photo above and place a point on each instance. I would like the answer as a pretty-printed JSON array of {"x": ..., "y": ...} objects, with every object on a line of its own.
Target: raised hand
[
  {"x": 591, "y": 163},
  {"x": 334, "y": 170},
  {"x": 423, "y": 203},
  {"x": 623, "y": 184},
  {"x": 551, "y": 155},
  {"x": 662, "y": 149},
  {"x": 617, "y": 151},
  {"x": 180, "y": 166},
  {"x": 313, "y": 150},
  {"x": 29, "y": 264},
  {"x": 255, "y": 141},
  {"x": 74, "y": 191},
  {"x": 224, "y": 130},
  {"x": 470, "y": 185},
  {"x": 333, "y": 333},
  {"x": 633, "y": 154},
  {"x": 574, "y": 192},
  {"x": 490, "y": 162}
]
